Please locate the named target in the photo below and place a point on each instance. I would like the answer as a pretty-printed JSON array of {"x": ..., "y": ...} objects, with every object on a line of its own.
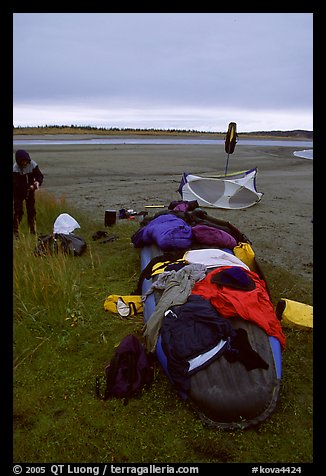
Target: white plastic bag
[{"x": 65, "y": 224}]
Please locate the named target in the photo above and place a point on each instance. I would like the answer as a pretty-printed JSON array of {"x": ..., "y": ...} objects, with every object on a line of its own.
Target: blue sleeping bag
[{"x": 167, "y": 231}]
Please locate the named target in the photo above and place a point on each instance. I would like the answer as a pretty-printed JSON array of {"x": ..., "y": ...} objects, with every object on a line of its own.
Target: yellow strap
[{"x": 160, "y": 266}]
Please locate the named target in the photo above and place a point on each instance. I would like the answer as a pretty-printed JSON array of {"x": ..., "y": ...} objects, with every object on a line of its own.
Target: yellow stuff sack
[
  {"x": 125, "y": 306},
  {"x": 295, "y": 313},
  {"x": 244, "y": 252}
]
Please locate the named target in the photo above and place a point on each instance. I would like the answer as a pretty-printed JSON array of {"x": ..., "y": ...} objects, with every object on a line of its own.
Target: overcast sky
[{"x": 164, "y": 70}]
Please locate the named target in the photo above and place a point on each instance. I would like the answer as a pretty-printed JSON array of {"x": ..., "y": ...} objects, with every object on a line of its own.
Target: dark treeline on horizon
[{"x": 75, "y": 128}]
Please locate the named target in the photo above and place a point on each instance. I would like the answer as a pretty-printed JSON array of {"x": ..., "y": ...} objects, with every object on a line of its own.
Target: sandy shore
[{"x": 100, "y": 177}]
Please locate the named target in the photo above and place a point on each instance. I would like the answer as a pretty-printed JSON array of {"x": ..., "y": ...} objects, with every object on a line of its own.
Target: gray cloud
[{"x": 246, "y": 61}]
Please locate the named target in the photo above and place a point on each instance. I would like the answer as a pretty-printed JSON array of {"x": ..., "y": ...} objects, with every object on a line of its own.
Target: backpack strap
[
  {"x": 111, "y": 372},
  {"x": 133, "y": 306},
  {"x": 131, "y": 376}
]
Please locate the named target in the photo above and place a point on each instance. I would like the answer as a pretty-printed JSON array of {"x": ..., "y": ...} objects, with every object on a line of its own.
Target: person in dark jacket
[{"x": 27, "y": 177}]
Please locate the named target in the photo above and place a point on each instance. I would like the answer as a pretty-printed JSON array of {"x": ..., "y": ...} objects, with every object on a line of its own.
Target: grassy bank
[
  {"x": 55, "y": 130},
  {"x": 63, "y": 338},
  {"x": 80, "y": 130}
]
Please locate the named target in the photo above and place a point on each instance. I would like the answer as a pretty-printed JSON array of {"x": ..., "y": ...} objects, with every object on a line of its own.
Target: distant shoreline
[{"x": 93, "y": 131}]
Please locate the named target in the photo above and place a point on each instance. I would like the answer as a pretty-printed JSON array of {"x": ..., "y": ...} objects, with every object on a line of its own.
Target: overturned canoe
[
  {"x": 225, "y": 394},
  {"x": 233, "y": 191}
]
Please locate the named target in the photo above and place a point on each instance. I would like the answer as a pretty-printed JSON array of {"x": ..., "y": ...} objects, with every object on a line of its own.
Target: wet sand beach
[{"x": 99, "y": 177}]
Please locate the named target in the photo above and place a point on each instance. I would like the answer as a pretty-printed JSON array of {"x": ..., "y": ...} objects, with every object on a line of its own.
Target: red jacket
[{"x": 254, "y": 305}]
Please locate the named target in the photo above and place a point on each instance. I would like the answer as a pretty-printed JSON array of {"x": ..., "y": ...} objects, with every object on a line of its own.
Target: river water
[
  {"x": 158, "y": 141},
  {"x": 305, "y": 153}
]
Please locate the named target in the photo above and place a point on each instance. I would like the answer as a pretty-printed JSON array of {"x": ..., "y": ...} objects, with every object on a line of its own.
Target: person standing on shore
[{"x": 27, "y": 178}]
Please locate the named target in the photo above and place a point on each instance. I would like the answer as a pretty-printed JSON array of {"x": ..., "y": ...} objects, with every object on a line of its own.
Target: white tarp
[{"x": 65, "y": 224}]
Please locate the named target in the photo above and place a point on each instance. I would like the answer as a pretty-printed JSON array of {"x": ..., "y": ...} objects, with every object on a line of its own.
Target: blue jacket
[{"x": 191, "y": 329}]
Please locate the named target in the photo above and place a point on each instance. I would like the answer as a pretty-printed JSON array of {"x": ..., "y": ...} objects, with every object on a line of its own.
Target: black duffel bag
[{"x": 67, "y": 243}]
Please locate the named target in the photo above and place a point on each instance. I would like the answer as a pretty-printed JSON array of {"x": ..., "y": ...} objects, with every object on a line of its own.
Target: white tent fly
[{"x": 233, "y": 191}]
